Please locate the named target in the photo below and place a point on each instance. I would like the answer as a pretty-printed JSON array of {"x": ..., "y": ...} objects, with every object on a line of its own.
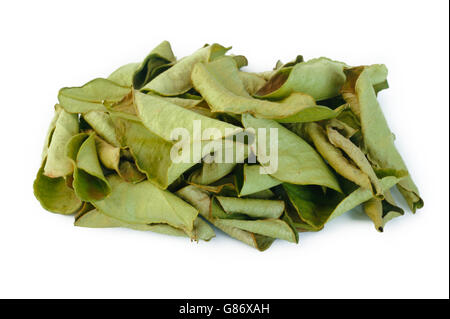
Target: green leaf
[
  {"x": 159, "y": 60},
  {"x": 96, "y": 95},
  {"x": 298, "y": 162},
  {"x": 130, "y": 203},
  {"x": 177, "y": 79},
  {"x": 321, "y": 78}
]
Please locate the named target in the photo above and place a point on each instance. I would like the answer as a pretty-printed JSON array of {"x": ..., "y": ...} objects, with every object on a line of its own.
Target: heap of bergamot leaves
[{"x": 107, "y": 159}]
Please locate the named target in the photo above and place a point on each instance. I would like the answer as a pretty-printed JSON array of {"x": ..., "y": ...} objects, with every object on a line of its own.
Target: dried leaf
[
  {"x": 54, "y": 194},
  {"x": 200, "y": 200},
  {"x": 96, "y": 219},
  {"x": 159, "y": 60},
  {"x": 250, "y": 180},
  {"x": 220, "y": 85},
  {"x": 96, "y": 95},
  {"x": 57, "y": 163},
  {"x": 177, "y": 80},
  {"x": 298, "y": 162},
  {"x": 151, "y": 152},
  {"x": 89, "y": 182},
  {"x": 381, "y": 211},
  {"x": 335, "y": 158},
  {"x": 130, "y": 203},
  {"x": 123, "y": 76},
  {"x": 378, "y": 139},
  {"x": 321, "y": 78},
  {"x": 256, "y": 208}
]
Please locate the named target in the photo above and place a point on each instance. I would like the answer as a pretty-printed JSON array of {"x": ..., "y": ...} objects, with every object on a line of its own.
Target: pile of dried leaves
[{"x": 107, "y": 153}]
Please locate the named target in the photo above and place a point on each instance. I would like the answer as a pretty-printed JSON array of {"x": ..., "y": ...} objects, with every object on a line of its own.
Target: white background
[{"x": 47, "y": 45}]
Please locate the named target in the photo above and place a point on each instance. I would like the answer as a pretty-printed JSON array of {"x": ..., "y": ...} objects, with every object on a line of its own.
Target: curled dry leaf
[
  {"x": 377, "y": 138},
  {"x": 321, "y": 78},
  {"x": 177, "y": 79},
  {"x": 89, "y": 182},
  {"x": 96, "y": 95},
  {"x": 160, "y": 59}
]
